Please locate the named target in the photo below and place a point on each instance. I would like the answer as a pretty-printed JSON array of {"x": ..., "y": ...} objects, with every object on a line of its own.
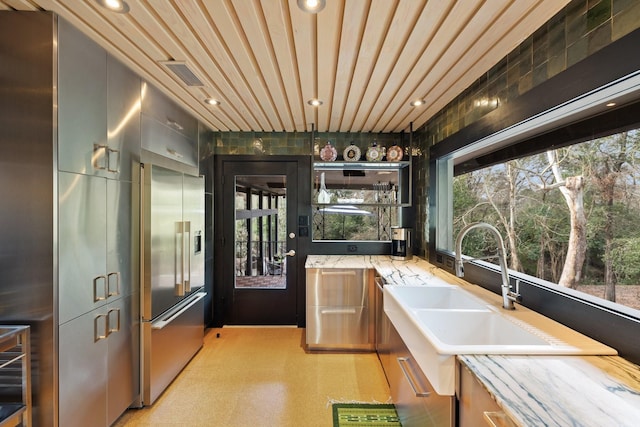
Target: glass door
[
  {"x": 261, "y": 231},
  {"x": 260, "y": 242}
]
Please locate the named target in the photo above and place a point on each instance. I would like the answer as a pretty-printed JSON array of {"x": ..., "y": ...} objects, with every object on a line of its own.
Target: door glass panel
[{"x": 260, "y": 231}]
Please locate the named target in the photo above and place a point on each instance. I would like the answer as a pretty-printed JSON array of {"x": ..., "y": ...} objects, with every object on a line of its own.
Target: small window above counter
[
  {"x": 362, "y": 183},
  {"x": 360, "y": 189}
]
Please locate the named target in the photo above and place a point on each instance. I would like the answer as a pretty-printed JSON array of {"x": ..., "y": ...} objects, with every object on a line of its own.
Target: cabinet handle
[
  {"x": 99, "y": 153},
  {"x": 337, "y": 273},
  {"x": 117, "y": 328},
  {"x": 174, "y": 153},
  {"x": 96, "y": 296},
  {"x": 174, "y": 124},
  {"x": 407, "y": 370},
  {"x": 497, "y": 419},
  {"x": 97, "y": 335},
  {"x": 113, "y": 160},
  {"x": 338, "y": 311},
  {"x": 117, "y": 276}
]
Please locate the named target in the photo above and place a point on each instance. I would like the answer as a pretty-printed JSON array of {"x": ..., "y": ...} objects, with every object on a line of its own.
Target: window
[{"x": 569, "y": 215}]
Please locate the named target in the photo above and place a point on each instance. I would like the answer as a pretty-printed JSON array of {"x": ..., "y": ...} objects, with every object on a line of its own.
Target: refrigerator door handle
[
  {"x": 179, "y": 260},
  {"x": 187, "y": 257},
  {"x": 159, "y": 324}
]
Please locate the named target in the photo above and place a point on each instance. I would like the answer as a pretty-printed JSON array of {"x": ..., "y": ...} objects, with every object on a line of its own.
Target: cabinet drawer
[
  {"x": 158, "y": 106},
  {"x": 339, "y": 327},
  {"x": 337, "y": 287},
  {"x": 166, "y": 142}
]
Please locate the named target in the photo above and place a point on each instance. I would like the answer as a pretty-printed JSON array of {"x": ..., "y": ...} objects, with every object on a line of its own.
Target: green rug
[{"x": 365, "y": 415}]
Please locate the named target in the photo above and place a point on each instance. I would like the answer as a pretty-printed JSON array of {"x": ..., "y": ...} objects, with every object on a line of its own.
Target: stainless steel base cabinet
[
  {"x": 340, "y": 311},
  {"x": 98, "y": 365},
  {"x": 476, "y": 406},
  {"x": 417, "y": 403}
]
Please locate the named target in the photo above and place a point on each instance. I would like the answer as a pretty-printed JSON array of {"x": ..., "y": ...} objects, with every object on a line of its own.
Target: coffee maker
[{"x": 401, "y": 243}]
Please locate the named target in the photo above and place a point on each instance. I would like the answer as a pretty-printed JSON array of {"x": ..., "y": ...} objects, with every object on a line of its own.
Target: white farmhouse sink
[
  {"x": 439, "y": 322},
  {"x": 477, "y": 332},
  {"x": 438, "y": 297}
]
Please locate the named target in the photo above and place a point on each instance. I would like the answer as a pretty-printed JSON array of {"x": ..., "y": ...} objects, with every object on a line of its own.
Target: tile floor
[{"x": 262, "y": 377}]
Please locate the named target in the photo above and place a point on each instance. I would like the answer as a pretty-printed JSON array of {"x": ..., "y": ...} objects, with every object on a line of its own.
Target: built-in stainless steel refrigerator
[{"x": 172, "y": 274}]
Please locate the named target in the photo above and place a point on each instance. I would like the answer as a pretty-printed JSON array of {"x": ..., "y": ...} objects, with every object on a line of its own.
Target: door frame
[{"x": 222, "y": 296}]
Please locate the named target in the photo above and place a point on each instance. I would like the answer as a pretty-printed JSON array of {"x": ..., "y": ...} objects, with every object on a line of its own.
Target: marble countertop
[
  {"x": 531, "y": 390},
  {"x": 561, "y": 390}
]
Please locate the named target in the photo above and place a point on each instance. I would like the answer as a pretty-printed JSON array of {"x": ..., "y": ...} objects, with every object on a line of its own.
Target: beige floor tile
[{"x": 262, "y": 377}]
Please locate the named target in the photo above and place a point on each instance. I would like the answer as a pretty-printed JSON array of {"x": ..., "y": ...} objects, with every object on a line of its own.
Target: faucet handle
[
  {"x": 459, "y": 267},
  {"x": 516, "y": 294}
]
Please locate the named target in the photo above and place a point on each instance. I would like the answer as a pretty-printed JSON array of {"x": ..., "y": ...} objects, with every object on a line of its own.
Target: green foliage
[
  {"x": 610, "y": 167},
  {"x": 625, "y": 258}
]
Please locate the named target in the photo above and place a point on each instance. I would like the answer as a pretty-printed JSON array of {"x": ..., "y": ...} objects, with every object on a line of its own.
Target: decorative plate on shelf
[
  {"x": 351, "y": 153},
  {"x": 328, "y": 153},
  {"x": 374, "y": 153},
  {"x": 394, "y": 154}
]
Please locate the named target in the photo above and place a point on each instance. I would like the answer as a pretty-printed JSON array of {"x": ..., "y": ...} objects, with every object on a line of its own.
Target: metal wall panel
[{"x": 28, "y": 246}]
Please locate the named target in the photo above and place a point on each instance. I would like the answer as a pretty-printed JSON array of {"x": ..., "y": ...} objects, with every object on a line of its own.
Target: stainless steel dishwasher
[{"x": 340, "y": 313}]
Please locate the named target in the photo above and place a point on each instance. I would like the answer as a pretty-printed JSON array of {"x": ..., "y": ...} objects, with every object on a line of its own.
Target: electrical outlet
[{"x": 449, "y": 263}]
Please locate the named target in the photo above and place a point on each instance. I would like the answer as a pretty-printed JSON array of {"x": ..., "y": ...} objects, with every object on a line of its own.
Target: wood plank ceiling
[{"x": 264, "y": 59}]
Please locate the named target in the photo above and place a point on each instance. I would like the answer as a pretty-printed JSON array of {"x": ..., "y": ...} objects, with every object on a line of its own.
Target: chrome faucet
[{"x": 508, "y": 296}]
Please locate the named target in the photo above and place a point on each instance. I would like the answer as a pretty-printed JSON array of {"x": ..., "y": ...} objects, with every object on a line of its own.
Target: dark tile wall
[
  {"x": 296, "y": 143},
  {"x": 582, "y": 28}
]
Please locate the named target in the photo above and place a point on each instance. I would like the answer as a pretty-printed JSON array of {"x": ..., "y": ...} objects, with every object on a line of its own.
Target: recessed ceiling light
[
  {"x": 118, "y": 6},
  {"x": 212, "y": 101},
  {"x": 417, "y": 102},
  {"x": 312, "y": 6},
  {"x": 611, "y": 104},
  {"x": 314, "y": 102}
]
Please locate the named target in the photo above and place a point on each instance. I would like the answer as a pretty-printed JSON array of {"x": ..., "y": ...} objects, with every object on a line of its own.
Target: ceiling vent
[{"x": 184, "y": 73}]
